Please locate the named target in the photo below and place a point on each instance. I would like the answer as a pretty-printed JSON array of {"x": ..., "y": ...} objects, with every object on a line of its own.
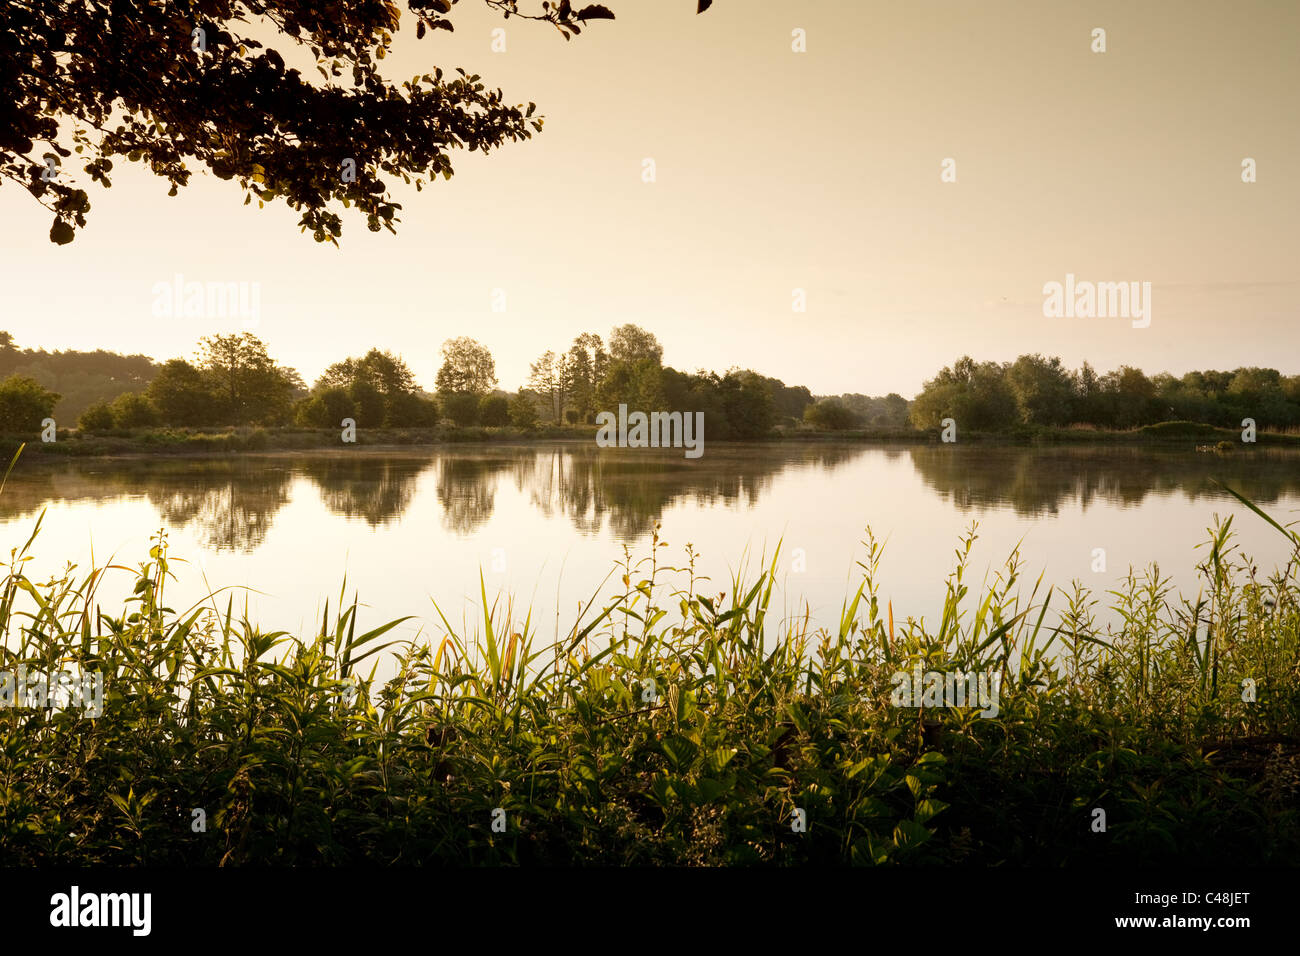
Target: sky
[{"x": 775, "y": 171}]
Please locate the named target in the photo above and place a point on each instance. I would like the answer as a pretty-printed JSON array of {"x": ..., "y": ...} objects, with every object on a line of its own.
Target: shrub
[
  {"x": 410, "y": 410},
  {"x": 831, "y": 414},
  {"x": 325, "y": 409},
  {"x": 133, "y": 410},
  {"x": 462, "y": 408},
  {"x": 96, "y": 418},
  {"x": 494, "y": 410},
  {"x": 24, "y": 404},
  {"x": 523, "y": 413}
]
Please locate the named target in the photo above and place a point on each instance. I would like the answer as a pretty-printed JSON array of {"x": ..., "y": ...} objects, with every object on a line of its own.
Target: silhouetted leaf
[{"x": 61, "y": 233}]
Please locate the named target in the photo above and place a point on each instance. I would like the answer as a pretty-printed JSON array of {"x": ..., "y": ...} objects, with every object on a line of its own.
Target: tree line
[
  {"x": 232, "y": 380},
  {"x": 1035, "y": 390}
]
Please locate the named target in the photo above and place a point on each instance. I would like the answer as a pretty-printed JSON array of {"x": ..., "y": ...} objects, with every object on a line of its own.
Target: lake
[{"x": 547, "y": 523}]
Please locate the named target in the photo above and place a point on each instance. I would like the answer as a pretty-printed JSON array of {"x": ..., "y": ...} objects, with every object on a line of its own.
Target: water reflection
[
  {"x": 377, "y": 490},
  {"x": 231, "y": 504},
  {"x": 467, "y": 489},
  {"x": 1037, "y": 481}
]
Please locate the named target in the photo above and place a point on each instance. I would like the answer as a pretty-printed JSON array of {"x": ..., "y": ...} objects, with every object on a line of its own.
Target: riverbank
[{"x": 217, "y": 441}]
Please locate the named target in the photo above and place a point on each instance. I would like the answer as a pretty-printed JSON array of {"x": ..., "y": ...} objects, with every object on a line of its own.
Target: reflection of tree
[
  {"x": 1037, "y": 481},
  {"x": 467, "y": 489},
  {"x": 230, "y": 511},
  {"x": 631, "y": 488},
  {"x": 231, "y": 504},
  {"x": 376, "y": 489}
]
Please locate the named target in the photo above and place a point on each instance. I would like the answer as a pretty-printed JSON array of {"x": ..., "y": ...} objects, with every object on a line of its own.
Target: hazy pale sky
[{"x": 776, "y": 170}]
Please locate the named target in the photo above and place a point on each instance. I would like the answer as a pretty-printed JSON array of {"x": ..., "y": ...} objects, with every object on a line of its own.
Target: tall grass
[{"x": 666, "y": 726}]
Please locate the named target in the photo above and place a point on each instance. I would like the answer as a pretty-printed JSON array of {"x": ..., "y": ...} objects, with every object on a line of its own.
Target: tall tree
[
  {"x": 24, "y": 404},
  {"x": 467, "y": 367},
  {"x": 1043, "y": 390},
  {"x": 249, "y": 384},
  {"x": 631, "y": 343},
  {"x": 181, "y": 394},
  {"x": 550, "y": 377},
  {"x": 385, "y": 372},
  {"x": 588, "y": 362}
]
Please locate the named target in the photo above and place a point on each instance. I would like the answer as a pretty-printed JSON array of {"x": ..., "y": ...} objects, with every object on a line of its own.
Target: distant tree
[
  {"x": 81, "y": 378},
  {"x": 411, "y": 410},
  {"x": 467, "y": 367},
  {"x": 631, "y": 343},
  {"x": 1132, "y": 395},
  {"x": 747, "y": 403},
  {"x": 383, "y": 390},
  {"x": 382, "y": 370},
  {"x": 588, "y": 362},
  {"x": 325, "y": 408},
  {"x": 1042, "y": 388},
  {"x": 830, "y": 413},
  {"x": 895, "y": 408},
  {"x": 368, "y": 404},
  {"x": 96, "y": 418},
  {"x": 248, "y": 385},
  {"x": 523, "y": 410},
  {"x": 461, "y": 407},
  {"x": 572, "y": 416},
  {"x": 974, "y": 394},
  {"x": 549, "y": 377},
  {"x": 494, "y": 410},
  {"x": 1089, "y": 396},
  {"x": 181, "y": 394},
  {"x": 24, "y": 404},
  {"x": 790, "y": 400},
  {"x": 8, "y": 353},
  {"x": 133, "y": 410},
  {"x": 639, "y": 385}
]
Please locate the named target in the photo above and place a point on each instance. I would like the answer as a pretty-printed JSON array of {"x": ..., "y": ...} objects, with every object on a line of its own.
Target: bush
[
  {"x": 24, "y": 404},
  {"x": 830, "y": 413},
  {"x": 182, "y": 395},
  {"x": 462, "y": 408},
  {"x": 494, "y": 410},
  {"x": 409, "y": 410},
  {"x": 96, "y": 418},
  {"x": 368, "y": 403},
  {"x": 325, "y": 409},
  {"x": 523, "y": 413},
  {"x": 133, "y": 410}
]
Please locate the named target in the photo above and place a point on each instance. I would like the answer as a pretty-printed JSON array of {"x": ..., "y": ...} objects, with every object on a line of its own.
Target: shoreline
[{"x": 257, "y": 440}]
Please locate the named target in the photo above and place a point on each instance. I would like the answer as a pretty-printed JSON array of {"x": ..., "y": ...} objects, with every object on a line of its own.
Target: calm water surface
[{"x": 547, "y": 524}]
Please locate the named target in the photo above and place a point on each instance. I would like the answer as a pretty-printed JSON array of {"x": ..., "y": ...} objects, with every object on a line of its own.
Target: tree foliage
[
  {"x": 248, "y": 386},
  {"x": 467, "y": 367},
  {"x": 1038, "y": 391},
  {"x": 183, "y": 86},
  {"x": 631, "y": 343},
  {"x": 24, "y": 404}
]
